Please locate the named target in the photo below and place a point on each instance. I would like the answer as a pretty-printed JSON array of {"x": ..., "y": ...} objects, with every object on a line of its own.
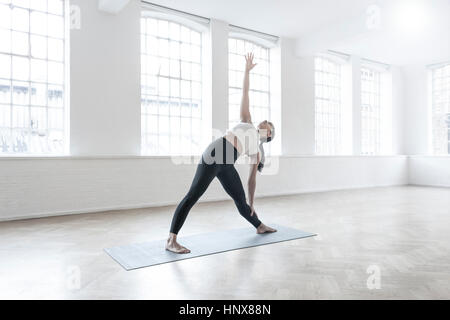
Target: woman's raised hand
[{"x": 249, "y": 65}]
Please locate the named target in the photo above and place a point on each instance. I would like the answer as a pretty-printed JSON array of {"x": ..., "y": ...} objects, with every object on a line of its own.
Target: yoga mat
[{"x": 147, "y": 254}]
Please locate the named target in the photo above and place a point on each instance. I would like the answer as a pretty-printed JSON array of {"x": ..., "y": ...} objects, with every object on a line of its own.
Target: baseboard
[{"x": 429, "y": 185}]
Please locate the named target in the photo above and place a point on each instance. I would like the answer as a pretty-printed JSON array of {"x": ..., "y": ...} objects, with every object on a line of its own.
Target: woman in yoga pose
[{"x": 218, "y": 161}]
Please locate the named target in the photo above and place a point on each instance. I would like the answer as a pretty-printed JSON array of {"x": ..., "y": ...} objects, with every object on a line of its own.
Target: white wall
[
  {"x": 429, "y": 171},
  {"x": 424, "y": 168},
  {"x": 299, "y": 101},
  {"x": 417, "y": 130},
  {"x": 43, "y": 187},
  {"x": 105, "y": 120},
  {"x": 105, "y": 81},
  {"x": 398, "y": 111},
  {"x": 297, "y": 98}
]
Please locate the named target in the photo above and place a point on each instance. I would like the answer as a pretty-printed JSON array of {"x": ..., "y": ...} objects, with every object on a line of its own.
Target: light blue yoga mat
[{"x": 147, "y": 254}]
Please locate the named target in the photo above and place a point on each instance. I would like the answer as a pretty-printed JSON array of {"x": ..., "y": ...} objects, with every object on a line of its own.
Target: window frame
[
  {"x": 335, "y": 146},
  {"x": 192, "y": 26},
  {"x": 32, "y": 84},
  {"x": 373, "y": 142},
  {"x": 434, "y": 116}
]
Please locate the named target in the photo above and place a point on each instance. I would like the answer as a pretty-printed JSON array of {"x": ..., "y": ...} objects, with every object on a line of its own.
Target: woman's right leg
[
  {"x": 231, "y": 182},
  {"x": 203, "y": 176}
]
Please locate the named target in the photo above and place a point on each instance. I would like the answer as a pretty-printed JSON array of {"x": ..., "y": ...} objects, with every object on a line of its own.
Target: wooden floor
[{"x": 404, "y": 232}]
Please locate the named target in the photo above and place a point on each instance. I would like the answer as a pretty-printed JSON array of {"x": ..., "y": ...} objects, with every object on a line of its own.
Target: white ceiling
[
  {"x": 287, "y": 18},
  {"x": 306, "y": 19},
  {"x": 414, "y": 32}
]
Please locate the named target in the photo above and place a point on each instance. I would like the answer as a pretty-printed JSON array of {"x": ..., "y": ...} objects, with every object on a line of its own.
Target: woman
[{"x": 218, "y": 161}]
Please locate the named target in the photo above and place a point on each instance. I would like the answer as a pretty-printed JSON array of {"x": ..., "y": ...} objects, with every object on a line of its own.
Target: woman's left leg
[{"x": 231, "y": 182}]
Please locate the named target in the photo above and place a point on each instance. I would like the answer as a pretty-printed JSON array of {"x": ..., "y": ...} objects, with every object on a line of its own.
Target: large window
[
  {"x": 371, "y": 115},
  {"x": 171, "y": 87},
  {"x": 328, "y": 107},
  {"x": 32, "y": 77},
  {"x": 259, "y": 80},
  {"x": 441, "y": 109}
]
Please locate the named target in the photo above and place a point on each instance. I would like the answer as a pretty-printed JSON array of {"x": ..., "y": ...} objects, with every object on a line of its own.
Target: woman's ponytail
[{"x": 261, "y": 148}]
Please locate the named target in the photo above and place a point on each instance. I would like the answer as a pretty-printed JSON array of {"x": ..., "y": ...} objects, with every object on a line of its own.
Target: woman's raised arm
[{"x": 245, "y": 103}]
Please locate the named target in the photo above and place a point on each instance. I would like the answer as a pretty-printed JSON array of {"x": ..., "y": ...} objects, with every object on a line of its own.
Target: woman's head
[{"x": 266, "y": 131}]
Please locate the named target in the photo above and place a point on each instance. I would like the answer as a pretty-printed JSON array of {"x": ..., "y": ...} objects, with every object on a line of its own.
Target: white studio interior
[{"x": 106, "y": 107}]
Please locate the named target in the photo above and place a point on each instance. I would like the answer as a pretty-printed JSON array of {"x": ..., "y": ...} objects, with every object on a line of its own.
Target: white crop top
[{"x": 248, "y": 137}]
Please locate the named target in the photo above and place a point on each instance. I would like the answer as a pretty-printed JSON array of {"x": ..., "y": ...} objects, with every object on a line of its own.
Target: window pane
[
  {"x": 185, "y": 34},
  {"x": 38, "y": 70},
  {"x": 163, "y": 48},
  {"x": 5, "y": 16},
  {"x": 21, "y": 3},
  {"x": 38, "y": 94},
  {"x": 40, "y": 5},
  {"x": 20, "y": 93},
  {"x": 328, "y": 117},
  {"x": 5, "y": 91},
  {"x": 174, "y": 31},
  {"x": 38, "y": 119},
  {"x": 20, "y": 117},
  {"x": 20, "y": 19},
  {"x": 38, "y": 47},
  {"x": 5, "y": 118},
  {"x": 55, "y": 49},
  {"x": 38, "y": 23},
  {"x": 163, "y": 28},
  {"x": 20, "y": 43},
  {"x": 175, "y": 88},
  {"x": 55, "y": 118},
  {"x": 55, "y": 26},
  {"x": 175, "y": 68},
  {"x": 195, "y": 38},
  {"x": 196, "y": 91},
  {"x": 55, "y": 96},
  {"x": 55, "y": 72},
  {"x": 5, "y": 43},
  {"x": 185, "y": 89},
  {"x": 21, "y": 68},
  {"x": 175, "y": 50},
  {"x": 55, "y": 7},
  {"x": 5, "y": 66}
]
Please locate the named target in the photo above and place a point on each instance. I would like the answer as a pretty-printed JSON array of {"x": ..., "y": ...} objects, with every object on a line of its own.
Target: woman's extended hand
[{"x": 249, "y": 65}]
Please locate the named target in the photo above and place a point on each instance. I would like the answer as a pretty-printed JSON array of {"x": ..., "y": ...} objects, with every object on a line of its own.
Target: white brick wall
[{"x": 44, "y": 187}]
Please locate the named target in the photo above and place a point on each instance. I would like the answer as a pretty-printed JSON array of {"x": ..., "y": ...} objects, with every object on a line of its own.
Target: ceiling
[
  {"x": 287, "y": 18},
  {"x": 403, "y": 38}
]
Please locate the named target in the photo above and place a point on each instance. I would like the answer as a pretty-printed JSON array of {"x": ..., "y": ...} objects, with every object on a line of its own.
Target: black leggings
[{"x": 217, "y": 161}]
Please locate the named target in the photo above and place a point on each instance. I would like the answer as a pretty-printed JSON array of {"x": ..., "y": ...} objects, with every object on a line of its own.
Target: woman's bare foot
[
  {"x": 173, "y": 246},
  {"x": 264, "y": 229}
]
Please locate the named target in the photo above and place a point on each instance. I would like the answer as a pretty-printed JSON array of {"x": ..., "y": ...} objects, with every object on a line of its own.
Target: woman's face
[{"x": 265, "y": 129}]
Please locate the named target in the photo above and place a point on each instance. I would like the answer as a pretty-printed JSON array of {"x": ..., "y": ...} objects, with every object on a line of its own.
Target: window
[
  {"x": 171, "y": 87},
  {"x": 371, "y": 113},
  {"x": 328, "y": 107},
  {"x": 441, "y": 109},
  {"x": 32, "y": 77},
  {"x": 259, "y": 81}
]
